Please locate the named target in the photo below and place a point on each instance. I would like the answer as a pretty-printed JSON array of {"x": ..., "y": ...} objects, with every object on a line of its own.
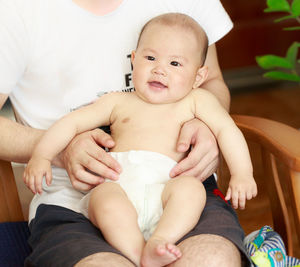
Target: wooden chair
[
  {"x": 278, "y": 142},
  {"x": 279, "y": 146}
]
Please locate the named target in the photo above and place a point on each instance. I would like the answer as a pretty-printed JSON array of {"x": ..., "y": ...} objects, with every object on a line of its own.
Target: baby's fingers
[
  {"x": 228, "y": 194},
  {"x": 235, "y": 199},
  {"x": 251, "y": 193},
  {"x": 38, "y": 184},
  {"x": 30, "y": 182},
  {"x": 39, "y": 180},
  {"x": 48, "y": 177},
  {"x": 33, "y": 182},
  {"x": 254, "y": 191},
  {"x": 242, "y": 200},
  {"x": 26, "y": 179}
]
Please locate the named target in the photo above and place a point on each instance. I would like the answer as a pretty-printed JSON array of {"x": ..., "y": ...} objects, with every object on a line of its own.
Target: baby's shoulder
[
  {"x": 121, "y": 99},
  {"x": 115, "y": 96},
  {"x": 198, "y": 92},
  {"x": 201, "y": 96}
]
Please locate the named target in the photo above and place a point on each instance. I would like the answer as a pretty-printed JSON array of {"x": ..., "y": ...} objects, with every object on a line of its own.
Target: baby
[{"x": 144, "y": 203}]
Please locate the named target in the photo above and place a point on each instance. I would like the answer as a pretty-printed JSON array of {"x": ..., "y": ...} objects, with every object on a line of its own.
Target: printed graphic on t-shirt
[
  {"x": 128, "y": 86},
  {"x": 128, "y": 78}
]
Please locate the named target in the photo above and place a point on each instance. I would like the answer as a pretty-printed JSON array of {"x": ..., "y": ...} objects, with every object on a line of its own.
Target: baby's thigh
[
  {"x": 105, "y": 198},
  {"x": 184, "y": 188},
  {"x": 106, "y": 193}
]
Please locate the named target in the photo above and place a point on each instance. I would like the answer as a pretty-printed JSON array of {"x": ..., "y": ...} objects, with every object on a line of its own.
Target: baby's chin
[{"x": 157, "y": 97}]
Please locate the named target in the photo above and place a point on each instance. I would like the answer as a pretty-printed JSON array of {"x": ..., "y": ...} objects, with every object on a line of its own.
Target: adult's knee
[
  {"x": 226, "y": 258},
  {"x": 208, "y": 250},
  {"x": 104, "y": 259}
]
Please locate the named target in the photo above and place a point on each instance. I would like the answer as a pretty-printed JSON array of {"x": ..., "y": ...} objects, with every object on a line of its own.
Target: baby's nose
[{"x": 159, "y": 70}]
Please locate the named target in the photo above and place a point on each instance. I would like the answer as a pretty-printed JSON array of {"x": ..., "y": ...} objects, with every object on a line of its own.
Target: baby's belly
[{"x": 164, "y": 147}]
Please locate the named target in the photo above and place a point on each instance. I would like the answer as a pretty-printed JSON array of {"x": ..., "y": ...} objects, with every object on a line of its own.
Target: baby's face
[{"x": 165, "y": 64}]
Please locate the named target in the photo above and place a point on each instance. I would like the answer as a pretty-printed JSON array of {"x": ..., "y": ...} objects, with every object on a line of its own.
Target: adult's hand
[
  {"x": 203, "y": 158},
  {"x": 87, "y": 163}
]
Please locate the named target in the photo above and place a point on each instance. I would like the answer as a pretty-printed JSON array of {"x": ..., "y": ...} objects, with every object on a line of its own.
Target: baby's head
[
  {"x": 184, "y": 23},
  {"x": 168, "y": 61}
]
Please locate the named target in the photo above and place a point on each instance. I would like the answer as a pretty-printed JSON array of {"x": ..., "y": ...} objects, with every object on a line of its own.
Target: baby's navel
[{"x": 126, "y": 120}]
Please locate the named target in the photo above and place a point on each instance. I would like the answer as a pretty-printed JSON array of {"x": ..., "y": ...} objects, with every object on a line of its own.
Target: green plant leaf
[
  {"x": 285, "y": 18},
  {"x": 297, "y": 28},
  {"x": 277, "y": 5},
  {"x": 280, "y": 75},
  {"x": 272, "y": 61},
  {"x": 295, "y": 8},
  {"x": 292, "y": 53}
]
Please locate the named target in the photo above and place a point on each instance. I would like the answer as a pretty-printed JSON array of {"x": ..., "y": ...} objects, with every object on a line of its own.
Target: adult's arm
[
  {"x": 16, "y": 140},
  {"x": 17, "y": 143},
  {"x": 215, "y": 82}
]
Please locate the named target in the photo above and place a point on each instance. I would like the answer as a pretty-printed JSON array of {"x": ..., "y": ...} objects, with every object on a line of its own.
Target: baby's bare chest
[
  {"x": 139, "y": 126},
  {"x": 151, "y": 118}
]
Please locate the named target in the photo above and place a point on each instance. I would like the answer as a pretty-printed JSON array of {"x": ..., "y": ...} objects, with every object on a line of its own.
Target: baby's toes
[{"x": 174, "y": 250}]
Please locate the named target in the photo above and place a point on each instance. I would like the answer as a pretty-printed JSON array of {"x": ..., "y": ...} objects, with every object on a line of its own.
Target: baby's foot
[{"x": 158, "y": 252}]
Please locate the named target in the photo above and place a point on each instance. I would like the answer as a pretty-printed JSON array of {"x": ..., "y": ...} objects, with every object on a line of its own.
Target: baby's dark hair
[{"x": 185, "y": 22}]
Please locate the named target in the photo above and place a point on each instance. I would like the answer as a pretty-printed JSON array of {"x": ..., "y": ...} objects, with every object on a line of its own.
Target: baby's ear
[
  {"x": 132, "y": 56},
  {"x": 201, "y": 76}
]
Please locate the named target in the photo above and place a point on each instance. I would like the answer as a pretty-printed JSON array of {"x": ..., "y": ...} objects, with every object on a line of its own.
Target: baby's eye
[
  {"x": 150, "y": 58},
  {"x": 175, "y": 63}
]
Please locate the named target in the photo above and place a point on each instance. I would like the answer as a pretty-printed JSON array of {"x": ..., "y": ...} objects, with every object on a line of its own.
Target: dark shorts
[{"x": 62, "y": 237}]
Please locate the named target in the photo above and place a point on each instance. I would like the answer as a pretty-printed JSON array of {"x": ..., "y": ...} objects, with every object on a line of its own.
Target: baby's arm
[
  {"x": 61, "y": 133},
  {"x": 232, "y": 144}
]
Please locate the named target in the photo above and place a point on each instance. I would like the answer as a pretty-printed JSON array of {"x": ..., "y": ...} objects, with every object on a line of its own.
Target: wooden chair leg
[
  {"x": 280, "y": 214},
  {"x": 10, "y": 207},
  {"x": 295, "y": 199}
]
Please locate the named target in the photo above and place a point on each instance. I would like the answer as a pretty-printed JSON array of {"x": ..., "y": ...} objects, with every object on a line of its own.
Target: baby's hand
[
  {"x": 241, "y": 188},
  {"x": 33, "y": 175}
]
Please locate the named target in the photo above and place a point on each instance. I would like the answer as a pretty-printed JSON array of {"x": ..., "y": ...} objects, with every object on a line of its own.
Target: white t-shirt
[{"x": 56, "y": 56}]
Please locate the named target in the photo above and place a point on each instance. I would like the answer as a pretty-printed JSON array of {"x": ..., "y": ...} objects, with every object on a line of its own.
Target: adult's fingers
[
  {"x": 82, "y": 179},
  {"x": 102, "y": 138},
  {"x": 84, "y": 185},
  {"x": 87, "y": 162},
  {"x": 110, "y": 168},
  {"x": 186, "y": 165},
  {"x": 194, "y": 165},
  {"x": 186, "y": 136}
]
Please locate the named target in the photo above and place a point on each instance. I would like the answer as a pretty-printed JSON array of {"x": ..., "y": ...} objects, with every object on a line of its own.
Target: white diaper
[{"x": 143, "y": 178}]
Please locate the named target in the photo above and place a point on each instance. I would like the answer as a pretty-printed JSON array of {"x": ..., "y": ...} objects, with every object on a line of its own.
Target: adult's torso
[{"x": 73, "y": 56}]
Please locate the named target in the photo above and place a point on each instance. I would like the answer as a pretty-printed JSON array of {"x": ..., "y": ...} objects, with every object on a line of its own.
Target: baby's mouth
[{"x": 157, "y": 84}]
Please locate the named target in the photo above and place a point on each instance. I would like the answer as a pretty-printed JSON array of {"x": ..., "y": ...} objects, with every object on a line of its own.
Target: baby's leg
[
  {"x": 113, "y": 213},
  {"x": 183, "y": 201}
]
